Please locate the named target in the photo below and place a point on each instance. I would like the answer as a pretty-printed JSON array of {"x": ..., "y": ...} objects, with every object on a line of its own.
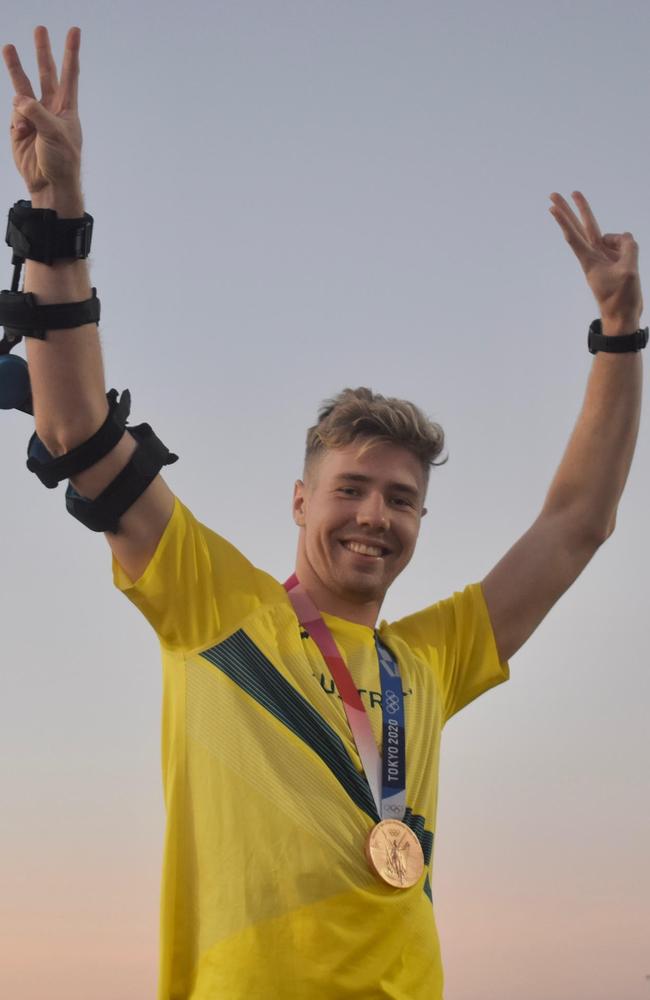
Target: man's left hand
[{"x": 610, "y": 263}]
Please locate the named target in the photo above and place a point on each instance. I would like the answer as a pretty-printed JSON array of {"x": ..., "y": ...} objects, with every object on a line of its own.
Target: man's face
[{"x": 359, "y": 516}]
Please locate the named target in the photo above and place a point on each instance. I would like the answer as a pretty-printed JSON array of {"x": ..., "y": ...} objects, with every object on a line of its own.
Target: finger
[
  {"x": 44, "y": 121},
  {"x": 561, "y": 203},
  {"x": 69, "y": 86},
  {"x": 46, "y": 65},
  {"x": 18, "y": 76},
  {"x": 587, "y": 216},
  {"x": 573, "y": 232},
  {"x": 612, "y": 241}
]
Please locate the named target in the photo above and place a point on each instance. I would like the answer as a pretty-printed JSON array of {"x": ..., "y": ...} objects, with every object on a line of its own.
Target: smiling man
[
  {"x": 362, "y": 499},
  {"x": 300, "y": 738},
  {"x": 277, "y": 700}
]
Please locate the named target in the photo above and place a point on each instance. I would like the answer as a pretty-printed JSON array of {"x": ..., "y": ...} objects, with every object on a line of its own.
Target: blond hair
[{"x": 361, "y": 414}]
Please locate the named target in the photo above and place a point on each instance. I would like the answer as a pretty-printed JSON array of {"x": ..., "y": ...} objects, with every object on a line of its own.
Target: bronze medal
[{"x": 394, "y": 853}]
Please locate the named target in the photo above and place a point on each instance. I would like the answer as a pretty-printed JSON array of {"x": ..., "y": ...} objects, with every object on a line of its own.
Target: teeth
[{"x": 364, "y": 550}]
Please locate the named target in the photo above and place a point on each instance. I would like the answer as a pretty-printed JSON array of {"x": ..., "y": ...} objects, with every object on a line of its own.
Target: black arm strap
[
  {"x": 51, "y": 470},
  {"x": 21, "y": 315},
  {"x": 39, "y": 234},
  {"x": 103, "y": 513}
]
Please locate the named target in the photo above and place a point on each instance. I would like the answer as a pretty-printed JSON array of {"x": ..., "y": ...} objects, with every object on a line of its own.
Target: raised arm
[
  {"x": 66, "y": 369},
  {"x": 579, "y": 512}
]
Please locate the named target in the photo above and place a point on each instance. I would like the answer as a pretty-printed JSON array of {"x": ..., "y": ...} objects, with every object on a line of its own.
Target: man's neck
[{"x": 364, "y": 613}]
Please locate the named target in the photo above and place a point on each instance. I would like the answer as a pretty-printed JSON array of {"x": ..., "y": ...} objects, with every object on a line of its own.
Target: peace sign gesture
[
  {"x": 610, "y": 263},
  {"x": 46, "y": 134}
]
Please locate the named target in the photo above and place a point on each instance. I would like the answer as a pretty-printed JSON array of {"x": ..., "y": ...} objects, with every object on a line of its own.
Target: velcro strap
[
  {"x": 39, "y": 234},
  {"x": 104, "y": 512},
  {"x": 22, "y": 316},
  {"x": 51, "y": 470}
]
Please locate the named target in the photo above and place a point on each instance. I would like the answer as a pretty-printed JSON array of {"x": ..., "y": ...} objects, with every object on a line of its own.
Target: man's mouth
[{"x": 366, "y": 549}]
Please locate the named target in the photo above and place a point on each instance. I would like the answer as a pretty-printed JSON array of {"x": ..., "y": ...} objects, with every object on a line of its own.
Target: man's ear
[
  {"x": 298, "y": 503},
  {"x": 424, "y": 511}
]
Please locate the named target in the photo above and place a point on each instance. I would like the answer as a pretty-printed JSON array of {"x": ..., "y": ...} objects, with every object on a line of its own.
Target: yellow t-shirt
[{"x": 266, "y": 890}]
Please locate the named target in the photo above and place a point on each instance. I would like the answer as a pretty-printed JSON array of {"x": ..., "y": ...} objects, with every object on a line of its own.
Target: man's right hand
[{"x": 46, "y": 133}]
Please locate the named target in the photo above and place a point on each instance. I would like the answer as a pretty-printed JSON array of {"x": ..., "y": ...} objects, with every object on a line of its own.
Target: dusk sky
[{"x": 290, "y": 198}]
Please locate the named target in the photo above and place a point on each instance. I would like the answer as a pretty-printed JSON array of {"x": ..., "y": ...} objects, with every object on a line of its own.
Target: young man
[{"x": 297, "y": 863}]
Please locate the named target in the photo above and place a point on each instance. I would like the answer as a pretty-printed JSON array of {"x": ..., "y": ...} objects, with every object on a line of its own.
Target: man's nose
[{"x": 372, "y": 512}]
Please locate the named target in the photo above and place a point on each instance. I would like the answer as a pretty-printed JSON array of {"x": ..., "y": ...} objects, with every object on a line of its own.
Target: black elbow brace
[
  {"x": 104, "y": 512},
  {"x": 38, "y": 234}
]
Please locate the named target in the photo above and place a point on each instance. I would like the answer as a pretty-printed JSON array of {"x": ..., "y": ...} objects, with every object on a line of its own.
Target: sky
[{"x": 290, "y": 198}]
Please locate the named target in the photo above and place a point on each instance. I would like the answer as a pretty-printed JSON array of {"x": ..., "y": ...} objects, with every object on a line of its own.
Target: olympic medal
[{"x": 394, "y": 853}]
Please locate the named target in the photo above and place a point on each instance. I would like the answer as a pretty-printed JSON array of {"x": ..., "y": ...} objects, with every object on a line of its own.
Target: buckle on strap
[{"x": 83, "y": 237}]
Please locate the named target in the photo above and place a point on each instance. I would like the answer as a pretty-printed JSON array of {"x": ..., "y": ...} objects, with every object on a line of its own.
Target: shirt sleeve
[
  {"x": 197, "y": 587},
  {"x": 456, "y": 637}
]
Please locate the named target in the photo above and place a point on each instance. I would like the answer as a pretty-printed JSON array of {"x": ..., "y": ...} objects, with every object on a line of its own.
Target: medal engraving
[{"x": 394, "y": 853}]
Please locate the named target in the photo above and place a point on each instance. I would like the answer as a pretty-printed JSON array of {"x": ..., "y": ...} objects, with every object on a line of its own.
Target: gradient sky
[{"x": 290, "y": 198}]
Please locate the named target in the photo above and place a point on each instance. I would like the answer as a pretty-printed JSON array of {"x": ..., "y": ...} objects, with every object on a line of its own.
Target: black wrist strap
[
  {"x": 623, "y": 344},
  {"x": 22, "y": 316},
  {"x": 39, "y": 234},
  {"x": 51, "y": 471}
]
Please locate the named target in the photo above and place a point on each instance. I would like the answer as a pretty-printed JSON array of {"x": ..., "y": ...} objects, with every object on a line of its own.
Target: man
[{"x": 294, "y": 867}]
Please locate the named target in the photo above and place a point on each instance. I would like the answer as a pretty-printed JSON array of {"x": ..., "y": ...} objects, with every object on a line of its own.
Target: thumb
[
  {"x": 20, "y": 126},
  {"x": 43, "y": 121}
]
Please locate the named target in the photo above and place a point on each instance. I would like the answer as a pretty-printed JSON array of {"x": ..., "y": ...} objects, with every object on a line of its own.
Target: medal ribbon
[{"x": 388, "y": 782}]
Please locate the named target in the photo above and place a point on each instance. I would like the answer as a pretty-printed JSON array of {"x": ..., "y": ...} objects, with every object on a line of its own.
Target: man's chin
[{"x": 362, "y": 591}]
